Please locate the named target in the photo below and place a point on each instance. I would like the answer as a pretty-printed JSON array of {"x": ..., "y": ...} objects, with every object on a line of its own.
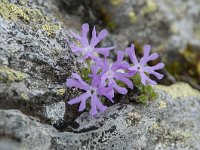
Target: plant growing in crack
[{"x": 105, "y": 77}]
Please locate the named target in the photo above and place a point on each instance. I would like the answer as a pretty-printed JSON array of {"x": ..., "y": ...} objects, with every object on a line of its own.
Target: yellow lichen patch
[
  {"x": 132, "y": 17},
  {"x": 133, "y": 118},
  {"x": 162, "y": 105},
  {"x": 149, "y": 8},
  {"x": 174, "y": 28},
  {"x": 60, "y": 92},
  {"x": 11, "y": 75},
  {"x": 198, "y": 68},
  {"x": 154, "y": 126},
  {"x": 179, "y": 89},
  {"x": 183, "y": 134},
  {"x": 14, "y": 12},
  {"x": 50, "y": 28},
  {"x": 24, "y": 96},
  {"x": 166, "y": 134},
  {"x": 116, "y": 2},
  {"x": 197, "y": 31}
]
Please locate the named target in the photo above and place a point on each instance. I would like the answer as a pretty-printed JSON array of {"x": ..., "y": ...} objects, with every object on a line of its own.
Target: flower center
[
  {"x": 139, "y": 67},
  {"x": 93, "y": 90},
  {"x": 109, "y": 74},
  {"x": 87, "y": 49}
]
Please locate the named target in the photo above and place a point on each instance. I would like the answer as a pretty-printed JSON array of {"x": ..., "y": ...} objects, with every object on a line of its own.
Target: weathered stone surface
[
  {"x": 23, "y": 131},
  {"x": 157, "y": 22},
  {"x": 35, "y": 60},
  {"x": 171, "y": 27},
  {"x": 166, "y": 123}
]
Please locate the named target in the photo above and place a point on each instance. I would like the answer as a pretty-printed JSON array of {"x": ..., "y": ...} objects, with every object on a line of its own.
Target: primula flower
[
  {"x": 89, "y": 49},
  {"x": 114, "y": 72},
  {"x": 142, "y": 67},
  {"x": 92, "y": 91}
]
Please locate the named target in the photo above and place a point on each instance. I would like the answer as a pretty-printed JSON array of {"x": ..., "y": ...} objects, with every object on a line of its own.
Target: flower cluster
[{"x": 106, "y": 76}]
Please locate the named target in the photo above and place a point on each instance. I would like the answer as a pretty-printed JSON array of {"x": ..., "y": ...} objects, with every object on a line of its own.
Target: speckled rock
[
  {"x": 167, "y": 123},
  {"x": 35, "y": 61},
  {"x": 157, "y": 22},
  {"x": 23, "y": 132}
]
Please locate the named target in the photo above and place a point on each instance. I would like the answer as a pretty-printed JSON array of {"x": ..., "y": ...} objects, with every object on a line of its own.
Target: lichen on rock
[{"x": 35, "y": 60}]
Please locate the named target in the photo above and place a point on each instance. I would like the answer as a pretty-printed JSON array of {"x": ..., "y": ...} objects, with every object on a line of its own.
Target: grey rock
[
  {"x": 55, "y": 111},
  {"x": 35, "y": 60},
  {"x": 157, "y": 22},
  {"x": 23, "y": 131},
  {"x": 165, "y": 123}
]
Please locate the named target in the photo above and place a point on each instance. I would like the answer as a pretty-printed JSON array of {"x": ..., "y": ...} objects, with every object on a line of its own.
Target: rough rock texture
[
  {"x": 166, "y": 123},
  {"x": 171, "y": 27},
  {"x": 35, "y": 61},
  {"x": 158, "y": 22},
  {"x": 24, "y": 131}
]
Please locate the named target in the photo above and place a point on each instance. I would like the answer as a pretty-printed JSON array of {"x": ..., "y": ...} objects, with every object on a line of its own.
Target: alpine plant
[{"x": 106, "y": 76}]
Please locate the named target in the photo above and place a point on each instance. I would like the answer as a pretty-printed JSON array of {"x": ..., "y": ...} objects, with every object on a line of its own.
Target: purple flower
[
  {"x": 114, "y": 72},
  {"x": 142, "y": 67},
  {"x": 92, "y": 91},
  {"x": 88, "y": 48}
]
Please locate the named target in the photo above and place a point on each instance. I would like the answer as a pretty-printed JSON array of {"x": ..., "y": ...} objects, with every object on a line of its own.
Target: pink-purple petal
[
  {"x": 158, "y": 75},
  {"x": 120, "y": 89},
  {"x": 103, "y": 33},
  {"x": 147, "y": 49},
  {"x": 94, "y": 40},
  {"x": 99, "y": 105},
  {"x": 156, "y": 67},
  {"x": 76, "y": 36},
  {"x": 75, "y": 83},
  {"x": 85, "y": 30},
  {"x": 131, "y": 52},
  {"x": 83, "y": 101},
  {"x": 153, "y": 57},
  {"x": 104, "y": 51},
  {"x": 78, "y": 99},
  {"x": 93, "y": 110},
  {"x": 77, "y": 76},
  {"x": 145, "y": 80},
  {"x": 119, "y": 76},
  {"x": 120, "y": 56},
  {"x": 103, "y": 80},
  {"x": 75, "y": 48}
]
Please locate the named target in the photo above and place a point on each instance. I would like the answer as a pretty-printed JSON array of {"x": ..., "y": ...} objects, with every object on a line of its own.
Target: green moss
[
  {"x": 84, "y": 72},
  {"x": 146, "y": 93},
  {"x": 10, "y": 75}
]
